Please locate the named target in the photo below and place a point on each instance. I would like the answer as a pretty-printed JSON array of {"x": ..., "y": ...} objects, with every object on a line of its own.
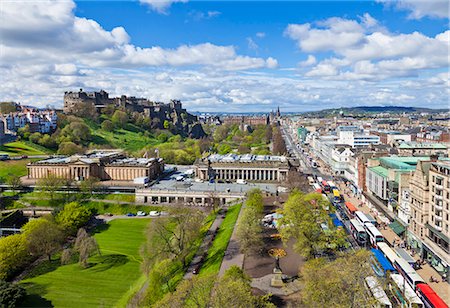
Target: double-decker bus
[
  {"x": 358, "y": 232},
  {"x": 403, "y": 293},
  {"x": 317, "y": 188},
  {"x": 337, "y": 198},
  {"x": 429, "y": 297},
  {"x": 388, "y": 252},
  {"x": 350, "y": 209},
  {"x": 326, "y": 187},
  {"x": 410, "y": 275},
  {"x": 375, "y": 235},
  {"x": 377, "y": 292}
]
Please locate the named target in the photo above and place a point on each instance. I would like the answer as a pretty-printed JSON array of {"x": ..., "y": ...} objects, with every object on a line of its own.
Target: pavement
[
  {"x": 441, "y": 288},
  {"x": 207, "y": 241},
  {"x": 232, "y": 254}
]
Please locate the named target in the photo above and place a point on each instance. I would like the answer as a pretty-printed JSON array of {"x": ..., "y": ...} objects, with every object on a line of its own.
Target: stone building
[
  {"x": 102, "y": 164},
  {"x": 185, "y": 123},
  {"x": 246, "y": 120},
  {"x": 248, "y": 167},
  {"x": 428, "y": 232}
]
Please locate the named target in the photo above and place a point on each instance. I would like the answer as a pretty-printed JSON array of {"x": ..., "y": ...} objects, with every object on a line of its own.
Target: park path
[
  {"x": 232, "y": 254},
  {"x": 207, "y": 241}
]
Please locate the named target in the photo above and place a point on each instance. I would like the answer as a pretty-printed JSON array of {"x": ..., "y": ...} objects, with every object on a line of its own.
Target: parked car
[
  {"x": 108, "y": 214},
  {"x": 154, "y": 213},
  {"x": 141, "y": 213},
  {"x": 131, "y": 214}
]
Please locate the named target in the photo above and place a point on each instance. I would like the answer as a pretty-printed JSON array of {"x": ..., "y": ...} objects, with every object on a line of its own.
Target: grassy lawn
[
  {"x": 13, "y": 167},
  {"x": 220, "y": 243},
  {"x": 17, "y": 148},
  {"x": 131, "y": 138},
  {"x": 106, "y": 282}
]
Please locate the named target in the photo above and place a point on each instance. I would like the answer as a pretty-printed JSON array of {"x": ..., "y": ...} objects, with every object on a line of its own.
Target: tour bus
[
  {"x": 405, "y": 256},
  {"x": 325, "y": 186},
  {"x": 429, "y": 297},
  {"x": 388, "y": 252},
  {"x": 311, "y": 180},
  {"x": 350, "y": 209},
  {"x": 380, "y": 264},
  {"x": 408, "y": 272},
  {"x": 358, "y": 232},
  {"x": 336, "y": 196},
  {"x": 377, "y": 292},
  {"x": 317, "y": 188},
  {"x": 404, "y": 293},
  {"x": 362, "y": 218},
  {"x": 374, "y": 235},
  {"x": 332, "y": 185}
]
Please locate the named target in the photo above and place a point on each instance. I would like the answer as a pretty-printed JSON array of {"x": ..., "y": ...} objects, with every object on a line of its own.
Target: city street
[{"x": 441, "y": 288}]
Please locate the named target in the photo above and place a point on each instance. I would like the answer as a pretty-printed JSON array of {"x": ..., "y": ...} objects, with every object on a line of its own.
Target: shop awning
[{"x": 397, "y": 227}]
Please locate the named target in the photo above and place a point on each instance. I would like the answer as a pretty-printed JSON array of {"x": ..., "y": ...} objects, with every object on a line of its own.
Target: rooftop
[
  {"x": 421, "y": 145},
  {"x": 246, "y": 158},
  {"x": 381, "y": 171}
]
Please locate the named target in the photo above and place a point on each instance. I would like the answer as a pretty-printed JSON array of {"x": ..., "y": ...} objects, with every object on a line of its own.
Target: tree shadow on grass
[
  {"x": 109, "y": 261},
  {"x": 100, "y": 228},
  {"x": 34, "y": 297},
  {"x": 44, "y": 268}
]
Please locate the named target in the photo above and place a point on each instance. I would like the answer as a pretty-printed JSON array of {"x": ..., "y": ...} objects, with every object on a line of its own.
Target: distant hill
[{"x": 378, "y": 109}]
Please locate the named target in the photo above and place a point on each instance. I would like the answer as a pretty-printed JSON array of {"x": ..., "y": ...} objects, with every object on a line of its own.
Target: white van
[{"x": 240, "y": 181}]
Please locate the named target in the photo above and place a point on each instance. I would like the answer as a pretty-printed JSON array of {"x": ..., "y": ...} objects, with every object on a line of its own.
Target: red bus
[
  {"x": 326, "y": 187},
  {"x": 351, "y": 209},
  {"x": 429, "y": 297}
]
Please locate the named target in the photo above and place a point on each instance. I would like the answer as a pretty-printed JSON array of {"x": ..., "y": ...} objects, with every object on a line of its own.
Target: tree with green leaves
[
  {"x": 249, "y": 229},
  {"x": 50, "y": 185},
  {"x": 173, "y": 236},
  {"x": 89, "y": 185},
  {"x": 160, "y": 277},
  {"x": 14, "y": 181},
  {"x": 69, "y": 148},
  {"x": 13, "y": 254},
  {"x": 303, "y": 215},
  {"x": 77, "y": 132},
  {"x": 11, "y": 294},
  {"x": 44, "y": 237},
  {"x": 339, "y": 283},
  {"x": 119, "y": 119},
  {"x": 108, "y": 126},
  {"x": 195, "y": 292},
  {"x": 234, "y": 290},
  {"x": 73, "y": 217}
]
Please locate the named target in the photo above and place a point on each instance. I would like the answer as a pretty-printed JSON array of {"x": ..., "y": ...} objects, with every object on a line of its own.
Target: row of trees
[
  {"x": 278, "y": 145},
  {"x": 303, "y": 215},
  {"x": 231, "y": 290},
  {"x": 169, "y": 247},
  {"x": 325, "y": 283},
  {"x": 226, "y": 138},
  {"x": 249, "y": 229},
  {"x": 40, "y": 238}
]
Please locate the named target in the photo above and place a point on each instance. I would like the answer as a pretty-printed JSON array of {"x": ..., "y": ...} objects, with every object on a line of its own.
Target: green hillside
[{"x": 131, "y": 139}]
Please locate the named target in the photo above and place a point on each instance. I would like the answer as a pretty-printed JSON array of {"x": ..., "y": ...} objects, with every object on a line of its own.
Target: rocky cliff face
[{"x": 180, "y": 121}]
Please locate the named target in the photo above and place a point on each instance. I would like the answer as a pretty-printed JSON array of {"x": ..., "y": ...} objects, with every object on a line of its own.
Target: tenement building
[
  {"x": 428, "y": 232},
  {"x": 110, "y": 165},
  {"x": 248, "y": 167}
]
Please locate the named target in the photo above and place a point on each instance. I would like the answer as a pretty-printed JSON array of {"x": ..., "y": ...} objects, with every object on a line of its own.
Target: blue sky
[{"x": 229, "y": 55}]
